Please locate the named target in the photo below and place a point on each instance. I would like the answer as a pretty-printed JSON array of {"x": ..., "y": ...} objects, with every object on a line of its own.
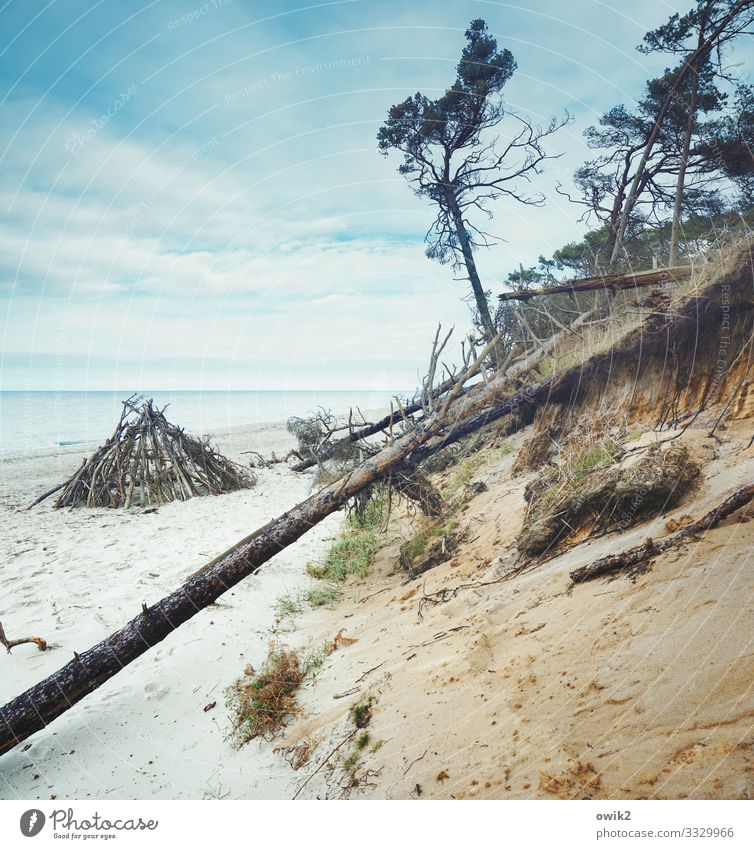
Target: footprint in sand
[
  {"x": 479, "y": 654},
  {"x": 154, "y": 691}
]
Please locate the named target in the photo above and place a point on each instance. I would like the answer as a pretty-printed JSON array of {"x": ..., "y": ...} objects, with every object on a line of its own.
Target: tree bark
[
  {"x": 471, "y": 269},
  {"x": 676, "y": 225}
]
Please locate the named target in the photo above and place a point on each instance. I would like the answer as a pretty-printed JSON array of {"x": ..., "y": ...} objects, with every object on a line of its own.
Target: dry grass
[
  {"x": 724, "y": 258},
  {"x": 261, "y": 702}
]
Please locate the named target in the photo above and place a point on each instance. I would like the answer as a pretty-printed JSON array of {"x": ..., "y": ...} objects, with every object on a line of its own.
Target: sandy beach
[{"x": 75, "y": 576}]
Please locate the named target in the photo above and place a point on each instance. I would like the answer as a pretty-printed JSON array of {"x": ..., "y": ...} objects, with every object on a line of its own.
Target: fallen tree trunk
[
  {"x": 45, "y": 701},
  {"x": 634, "y": 557},
  {"x": 611, "y": 282}
]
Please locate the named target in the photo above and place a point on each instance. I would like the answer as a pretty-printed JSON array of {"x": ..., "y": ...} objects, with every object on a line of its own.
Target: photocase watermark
[
  {"x": 165, "y": 182},
  {"x": 65, "y": 826},
  {"x": 76, "y": 142},
  {"x": 298, "y": 73},
  {"x": 195, "y": 14}
]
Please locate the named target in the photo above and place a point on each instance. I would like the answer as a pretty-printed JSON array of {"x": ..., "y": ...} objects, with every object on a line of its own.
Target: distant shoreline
[{"x": 52, "y": 421}]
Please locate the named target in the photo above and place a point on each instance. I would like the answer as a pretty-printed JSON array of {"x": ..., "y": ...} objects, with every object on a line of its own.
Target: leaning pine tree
[{"x": 451, "y": 158}]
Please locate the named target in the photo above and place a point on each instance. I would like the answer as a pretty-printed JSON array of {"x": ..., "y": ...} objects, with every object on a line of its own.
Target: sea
[{"x": 34, "y": 421}]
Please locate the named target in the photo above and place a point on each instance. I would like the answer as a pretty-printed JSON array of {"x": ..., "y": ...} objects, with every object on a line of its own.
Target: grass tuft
[
  {"x": 323, "y": 594},
  {"x": 288, "y": 606},
  {"x": 361, "y": 712},
  {"x": 354, "y": 552}
]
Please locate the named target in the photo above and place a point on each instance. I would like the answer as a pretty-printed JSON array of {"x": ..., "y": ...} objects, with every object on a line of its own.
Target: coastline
[{"x": 75, "y": 576}]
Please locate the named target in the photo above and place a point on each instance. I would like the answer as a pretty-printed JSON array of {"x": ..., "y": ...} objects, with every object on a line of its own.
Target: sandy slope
[
  {"x": 73, "y": 577},
  {"x": 519, "y": 688},
  {"x": 529, "y": 688}
]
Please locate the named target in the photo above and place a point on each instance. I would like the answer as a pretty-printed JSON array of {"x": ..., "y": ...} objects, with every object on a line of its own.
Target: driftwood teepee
[{"x": 147, "y": 462}]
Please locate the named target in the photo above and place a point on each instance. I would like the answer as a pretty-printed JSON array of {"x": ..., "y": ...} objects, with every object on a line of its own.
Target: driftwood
[
  {"x": 611, "y": 282},
  {"x": 149, "y": 461},
  {"x": 9, "y": 644},
  {"x": 639, "y": 555}
]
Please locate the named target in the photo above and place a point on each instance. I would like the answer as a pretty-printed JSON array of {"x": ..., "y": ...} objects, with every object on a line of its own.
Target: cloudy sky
[{"x": 192, "y": 197}]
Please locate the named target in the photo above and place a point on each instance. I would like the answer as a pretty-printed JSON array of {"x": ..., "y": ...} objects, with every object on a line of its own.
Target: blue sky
[{"x": 192, "y": 197}]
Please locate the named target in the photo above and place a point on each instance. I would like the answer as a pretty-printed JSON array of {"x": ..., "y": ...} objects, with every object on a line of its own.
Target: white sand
[{"x": 75, "y": 576}]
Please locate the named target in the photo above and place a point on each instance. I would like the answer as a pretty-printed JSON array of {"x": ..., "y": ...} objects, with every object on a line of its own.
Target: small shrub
[{"x": 361, "y": 712}]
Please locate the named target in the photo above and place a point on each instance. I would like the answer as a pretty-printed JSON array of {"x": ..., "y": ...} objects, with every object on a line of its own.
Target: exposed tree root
[{"x": 639, "y": 555}]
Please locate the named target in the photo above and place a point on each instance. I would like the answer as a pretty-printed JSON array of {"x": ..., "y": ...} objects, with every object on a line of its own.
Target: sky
[{"x": 191, "y": 195}]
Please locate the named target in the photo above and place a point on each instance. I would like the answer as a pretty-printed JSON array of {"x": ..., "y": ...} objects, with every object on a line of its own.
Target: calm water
[{"x": 34, "y": 420}]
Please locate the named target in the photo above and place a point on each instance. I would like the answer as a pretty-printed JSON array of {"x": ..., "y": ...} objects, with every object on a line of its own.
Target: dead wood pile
[{"x": 148, "y": 461}]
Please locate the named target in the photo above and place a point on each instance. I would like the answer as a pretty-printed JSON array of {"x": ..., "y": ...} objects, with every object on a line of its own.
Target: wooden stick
[{"x": 9, "y": 644}]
